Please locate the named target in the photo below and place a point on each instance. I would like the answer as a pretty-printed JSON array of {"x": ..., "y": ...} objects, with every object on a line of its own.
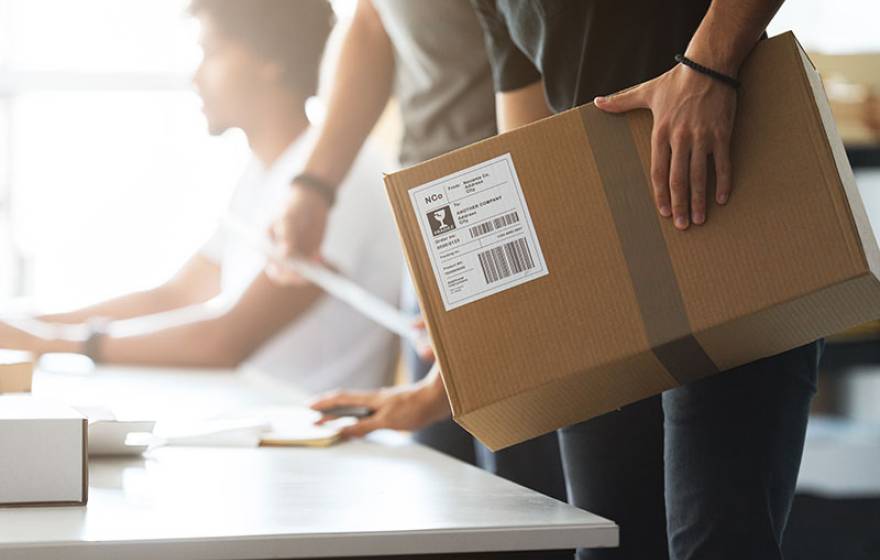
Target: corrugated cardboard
[
  {"x": 631, "y": 307},
  {"x": 44, "y": 458},
  {"x": 16, "y": 371}
]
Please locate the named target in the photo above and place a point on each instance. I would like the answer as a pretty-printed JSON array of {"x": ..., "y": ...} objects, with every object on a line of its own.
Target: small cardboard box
[
  {"x": 554, "y": 292},
  {"x": 43, "y": 453},
  {"x": 16, "y": 371}
]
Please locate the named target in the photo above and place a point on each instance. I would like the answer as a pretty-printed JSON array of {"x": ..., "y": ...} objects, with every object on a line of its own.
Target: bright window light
[{"x": 112, "y": 178}]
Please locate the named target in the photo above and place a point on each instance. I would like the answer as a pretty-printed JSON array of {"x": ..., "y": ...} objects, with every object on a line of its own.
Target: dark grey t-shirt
[
  {"x": 443, "y": 80},
  {"x": 625, "y": 42}
]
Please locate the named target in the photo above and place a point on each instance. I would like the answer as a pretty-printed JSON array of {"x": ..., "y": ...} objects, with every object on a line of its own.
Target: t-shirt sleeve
[{"x": 511, "y": 68}]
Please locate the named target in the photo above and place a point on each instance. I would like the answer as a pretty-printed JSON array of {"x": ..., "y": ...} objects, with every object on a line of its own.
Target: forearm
[
  {"x": 201, "y": 343},
  {"x": 359, "y": 92},
  {"x": 194, "y": 336},
  {"x": 136, "y": 304},
  {"x": 729, "y": 31},
  {"x": 433, "y": 393},
  {"x": 521, "y": 106}
]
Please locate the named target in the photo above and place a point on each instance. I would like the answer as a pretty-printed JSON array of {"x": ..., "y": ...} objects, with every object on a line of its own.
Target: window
[{"x": 108, "y": 178}]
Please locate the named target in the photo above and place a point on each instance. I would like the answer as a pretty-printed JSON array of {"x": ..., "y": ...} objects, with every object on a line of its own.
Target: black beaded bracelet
[
  {"x": 714, "y": 74},
  {"x": 317, "y": 185}
]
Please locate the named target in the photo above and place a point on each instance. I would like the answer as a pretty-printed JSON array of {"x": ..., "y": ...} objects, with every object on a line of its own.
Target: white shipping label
[{"x": 478, "y": 232}]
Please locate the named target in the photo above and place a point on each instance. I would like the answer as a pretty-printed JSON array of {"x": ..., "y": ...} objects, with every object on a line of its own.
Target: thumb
[
  {"x": 633, "y": 98},
  {"x": 362, "y": 428}
]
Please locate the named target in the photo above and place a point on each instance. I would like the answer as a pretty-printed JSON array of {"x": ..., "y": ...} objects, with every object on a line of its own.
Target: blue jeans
[{"x": 707, "y": 471}]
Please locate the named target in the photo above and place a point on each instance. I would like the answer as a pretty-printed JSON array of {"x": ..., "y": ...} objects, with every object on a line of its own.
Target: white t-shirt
[{"x": 330, "y": 345}]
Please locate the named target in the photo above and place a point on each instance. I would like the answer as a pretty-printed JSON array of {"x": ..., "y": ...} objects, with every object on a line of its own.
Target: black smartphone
[{"x": 347, "y": 411}]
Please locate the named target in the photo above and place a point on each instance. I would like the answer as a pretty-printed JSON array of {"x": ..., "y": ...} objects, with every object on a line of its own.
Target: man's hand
[
  {"x": 410, "y": 407},
  {"x": 298, "y": 231},
  {"x": 693, "y": 122}
]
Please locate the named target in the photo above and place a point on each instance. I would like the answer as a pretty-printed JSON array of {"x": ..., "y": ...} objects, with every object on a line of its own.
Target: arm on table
[{"x": 195, "y": 336}]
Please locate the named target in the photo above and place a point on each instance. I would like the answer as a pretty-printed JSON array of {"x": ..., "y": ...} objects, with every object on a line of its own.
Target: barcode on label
[
  {"x": 508, "y": 259},
  {"x": 492, "y": 225}
]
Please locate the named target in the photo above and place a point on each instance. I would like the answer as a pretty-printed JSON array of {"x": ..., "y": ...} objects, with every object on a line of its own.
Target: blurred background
[{"x": 105, "y": 157}]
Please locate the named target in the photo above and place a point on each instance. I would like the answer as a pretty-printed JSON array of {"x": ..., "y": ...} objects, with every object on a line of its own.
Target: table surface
[{"x": 381, "y": 496}]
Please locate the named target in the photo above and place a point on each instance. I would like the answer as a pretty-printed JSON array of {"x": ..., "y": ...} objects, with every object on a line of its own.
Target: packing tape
[{"x": 638, "y": 228}]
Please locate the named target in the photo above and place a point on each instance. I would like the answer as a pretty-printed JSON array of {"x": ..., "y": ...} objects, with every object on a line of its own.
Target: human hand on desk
[{"x": 407, "y": 408}]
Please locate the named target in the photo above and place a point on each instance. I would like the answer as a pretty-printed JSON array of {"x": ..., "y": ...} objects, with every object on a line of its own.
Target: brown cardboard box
[
  {"x": 16, "y": 371},
  {"x": 562, "y": 294}
]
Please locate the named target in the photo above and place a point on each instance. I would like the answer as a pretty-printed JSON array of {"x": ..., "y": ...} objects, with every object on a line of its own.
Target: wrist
[
  {"x": 722, "y": 52},
  {"x": 317, "y": 185},
  {"x": 433, "y": 395},
  {"x": 723, "y": 63}
]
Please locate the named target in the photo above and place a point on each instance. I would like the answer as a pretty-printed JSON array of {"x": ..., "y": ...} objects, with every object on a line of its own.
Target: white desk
[{"x": 379, "y": 497}]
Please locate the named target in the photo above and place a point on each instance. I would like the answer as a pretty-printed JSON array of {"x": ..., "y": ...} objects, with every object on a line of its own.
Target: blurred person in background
[
  {"x": 443, "y": 87},
  {"x": 261, "y": 63}
]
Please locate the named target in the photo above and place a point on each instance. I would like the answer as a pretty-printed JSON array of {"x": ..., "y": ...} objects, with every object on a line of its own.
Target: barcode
[
  {"x": 508, "y": 259},
  {"x": 492, "y": 225}
]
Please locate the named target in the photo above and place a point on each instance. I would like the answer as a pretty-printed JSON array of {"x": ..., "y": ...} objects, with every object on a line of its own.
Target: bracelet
[
  {"x": 714, "y": 74},
  {"x": 327, "y": 192}
]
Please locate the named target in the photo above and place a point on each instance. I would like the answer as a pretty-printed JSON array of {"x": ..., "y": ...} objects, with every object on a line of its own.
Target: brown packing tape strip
[{"x": 638, "y": 228}]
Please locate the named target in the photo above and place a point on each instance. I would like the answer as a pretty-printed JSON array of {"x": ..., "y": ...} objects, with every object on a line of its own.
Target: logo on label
[
  {"x": 440, "y": 220},
  {"x": 431, "y": 199}
]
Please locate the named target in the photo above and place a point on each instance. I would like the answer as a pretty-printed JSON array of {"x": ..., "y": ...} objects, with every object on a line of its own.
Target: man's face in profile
[{"x": 227, "y": 79}]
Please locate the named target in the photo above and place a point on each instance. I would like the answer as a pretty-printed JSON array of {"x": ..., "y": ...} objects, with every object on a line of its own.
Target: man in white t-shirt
[{"x": 261, "y": 61}]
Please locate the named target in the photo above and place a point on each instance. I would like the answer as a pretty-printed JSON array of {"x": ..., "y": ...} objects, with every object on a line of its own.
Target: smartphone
[{"x": 347, "y": 411}]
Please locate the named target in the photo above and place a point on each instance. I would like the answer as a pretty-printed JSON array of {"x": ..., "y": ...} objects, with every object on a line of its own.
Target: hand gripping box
[
  {"x": 554, "y": 292},
  {"x": 43, "y": 453}
]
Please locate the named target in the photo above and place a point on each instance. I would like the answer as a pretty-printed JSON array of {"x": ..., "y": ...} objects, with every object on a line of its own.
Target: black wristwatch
[{"x": 97, "y": 328}]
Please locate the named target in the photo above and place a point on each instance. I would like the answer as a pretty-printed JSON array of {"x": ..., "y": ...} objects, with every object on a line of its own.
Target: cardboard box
[
  {"x": 554, "y": 292},
  {"x": 43, "y": 453},
  {"x": 16, "y": 371}
]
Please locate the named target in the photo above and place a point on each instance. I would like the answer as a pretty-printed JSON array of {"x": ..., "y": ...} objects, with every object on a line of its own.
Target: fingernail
[
  {"x": 599, "y": 99},
  {"x": 665, "y": 211},
  {"x": 681, "y": 222},
  {"x": 699, "y": 219},
  {"x": 722, "y": 198}
]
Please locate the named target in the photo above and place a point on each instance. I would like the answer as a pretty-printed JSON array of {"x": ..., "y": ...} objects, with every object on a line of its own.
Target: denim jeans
[{"x": 705, "y": 471}]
